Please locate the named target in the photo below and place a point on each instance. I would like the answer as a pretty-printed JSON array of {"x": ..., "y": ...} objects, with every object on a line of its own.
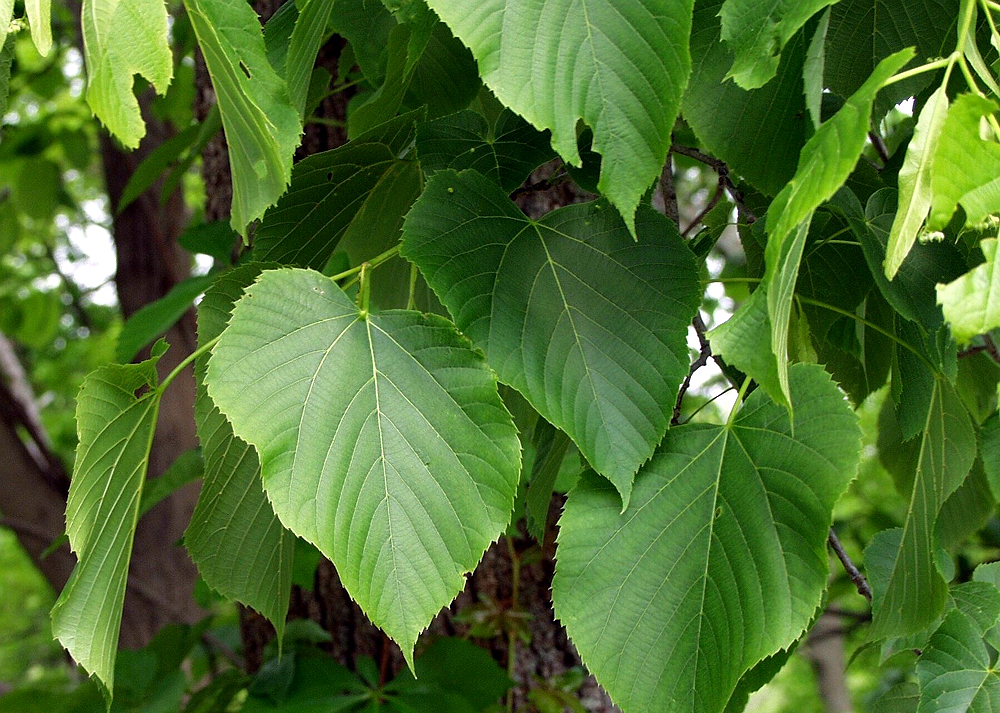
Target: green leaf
[
  {"x": 971, "y": 304},
  {"x": 39, "y": 14},
  {"x": 756, "y": 31},
  {"x": 457, "y": 667},
  {"x": 621, "y": 69},
  {"x": 309, "y": 34},
  {"x": 155, "y": 318},
  {"x": 587, "y": 323},
  {"x": 915, "y": 181},
  {"x": 234, "y": 537},
  {"x": 551, "y": 445},
  {"x": 6, "y": 15},
  {"x": 386, "y": 100},
  {"x": 506, "y": 153},
  {"x": 989, "y": 446},
  {"x": 864, "y": 32},
  {"x": 780, "y": 292},
  {"x": 360, "y": 188},
  {"x": 966, "y": 167},
  {"x": 744, "y": 341},
  {"x": 383, "y": 440},
  {"x": 955, "y": 672},
  {"x": 812, "y": 70},
  {"x": 115, "y": 430},
  {"x": 6, "y": 59},
  {"x": 720, "y": 559},
  {"x": 158, "y": 161},
  {"x": 826, "y": 160},
  {"x": 766, "y": 157},
  {"x": 901, "y": 698},
  {"x": 916, "y": 592},
  {"x": 262, "y": 126},
  {"x": 215, "y": 239},
  {"x": 120, "y": 40}
]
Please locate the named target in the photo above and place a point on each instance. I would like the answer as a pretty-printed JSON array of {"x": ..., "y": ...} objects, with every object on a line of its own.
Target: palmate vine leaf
[
  {"x": 382, "y": 440},
  {"x": 765, "y": 157},
  {"x": 261, "y": 124},
  {"x": 720, "y": 559},
  {"x": 971, "y": 304},
  {"x": 915, "y": 181},
  {"x": 955, "y": 672},
  {"x": 619, "y": 67},
  {"x": 506, "y": 152},
  {"x": 916, "y": 592},
  {"x": 361, "y": 187},
  {"x": 586, "y": 322},
  {"x": 756, "y": 31},
  {"x": 39, "y": 14},
  {"x": 966, "y": 167},
  {"x": 122, "y": 39},
  {"x": 234, "y": 537},
  {"x": 115, "y": 430}
]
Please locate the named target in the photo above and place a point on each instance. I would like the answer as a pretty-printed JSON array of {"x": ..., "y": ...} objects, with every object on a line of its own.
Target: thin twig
[
  {"x": 880, "y": 148},
  {"x": 712, "y": 202},
  {"x": 545, "y": 184},
  {"x": 703, "y": 355},
  {"x": 722, "y": 169},
  {"x": 669, "y": 193},
  {"x": 988, "y": 346},
  {"x": 853, "y": 572}
]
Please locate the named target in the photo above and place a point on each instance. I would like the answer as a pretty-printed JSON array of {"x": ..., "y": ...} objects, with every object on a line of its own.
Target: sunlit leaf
[
  {"x": 39, "y": 14},
  {"x": 620, "y": 68},
  {"x": 586, "y": 322},
  {"x": 382, "y": 439},
  {"x": 720, "y": 559},
  {"x": 971, "y": 304}
]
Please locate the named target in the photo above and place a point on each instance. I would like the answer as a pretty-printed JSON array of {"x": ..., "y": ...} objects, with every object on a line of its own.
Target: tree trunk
[{"x": 549, "y": 652}]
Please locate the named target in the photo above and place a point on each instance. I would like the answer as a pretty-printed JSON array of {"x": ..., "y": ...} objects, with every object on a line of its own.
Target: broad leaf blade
[
  {"x": 955, "y": 672},
  {"x": 116, "y": 431},
  {"x": 39, "y": 14},
  {"x": 971, "y": 304},
  {"x": 619, "y": 67},
  {"x": 383, "y": 441},
  {"x": 720, "y": 559},
  {"x": 756, "y": 30},
  {"x": 966, "y": 167},
  {"x": 915, "y": 592},
  {"x": 234, "y": 537},
  {"x": 915, "y": 181},
  {"x": 507, "y": 152},
  {"x": 587, "y": 323},
  {"x": 262, "y": 126},
  {"x": 120, "y": 40}
]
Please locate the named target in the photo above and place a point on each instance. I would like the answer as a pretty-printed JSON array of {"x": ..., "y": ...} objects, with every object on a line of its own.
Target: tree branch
[
  {"x": 669, "y": 193},
  {"x": 703, "y": 355},
  {"x": 864, "y": 589},
  {"x": 722, "y": 169}
]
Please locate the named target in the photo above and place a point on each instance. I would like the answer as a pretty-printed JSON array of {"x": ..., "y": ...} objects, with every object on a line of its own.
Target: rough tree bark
[{"x": 549, "y": 652}]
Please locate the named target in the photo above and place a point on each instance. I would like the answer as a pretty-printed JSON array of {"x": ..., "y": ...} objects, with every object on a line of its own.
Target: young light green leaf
[
  {"x": 157, "y": 317},
  {"x": 116, "y": 431},
  {"x": 971, "y": 304},
  {"x": 812, "y": 70},
  {"x": 382, "y": 440},
  {"x": 720, "y": 559},
  {"x": 262, "y": 126},
  {"x": 915, "y": 592},
  {"x": 39, "y": 14},
  {"x": 955, "y": 672},
  {"x": 966, "y": 167},
  {"x": 756, "y": 31},
  {"x": 744, "y": 341},
  {"x": 507, "y": 152},
  {"x": 765, "y": 157},
  {"x": 780, "y": 287},
  {"x": 6, "y": 15},
  {"x": 621, "y": 68},
  {"x": 589, "y": 324},
  {"x": 120, "y": 40},
  {"x": 915, "y": 181},
  {"x": 360, "y": 187},
  {"x": 234, "y": 537},
  {"x": 826, "y": 160},
  {"x": 307, "y": 37}
]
